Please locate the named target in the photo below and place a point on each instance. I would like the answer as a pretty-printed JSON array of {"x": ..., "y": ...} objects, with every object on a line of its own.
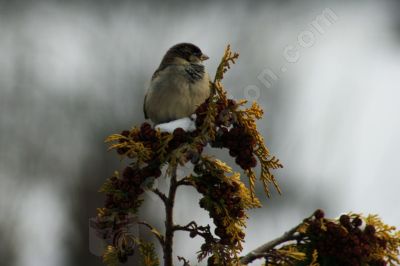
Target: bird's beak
[{"x": 203, "y": 57}]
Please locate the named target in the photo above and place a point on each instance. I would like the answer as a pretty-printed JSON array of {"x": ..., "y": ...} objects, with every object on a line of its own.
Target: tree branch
[
  {"x": 160, "y": 194},
  {"x": 154, "y": 231},
  {"x": 185, "y": 261},
  {"x": 203, "y": 231},
  {"x": 169, "y": 220},
  {"x": 184, "y": 182},
  {"x": 186, "y": 227},
  {"x": 263, "y": 250}
]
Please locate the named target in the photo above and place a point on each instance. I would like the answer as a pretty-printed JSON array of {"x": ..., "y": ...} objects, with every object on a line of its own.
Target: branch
[
  {"x": 154, "y": 231},
  {"x": 203, "y": 231},
  {"x": 169, "y": 219},
  {"x": 160, "y": 194},
  {"x": 184, "y": 182},
  {"x": 186, "y": 227},
  {"x": 263, "y": 250},
  {"x": 185, "y": 261}
]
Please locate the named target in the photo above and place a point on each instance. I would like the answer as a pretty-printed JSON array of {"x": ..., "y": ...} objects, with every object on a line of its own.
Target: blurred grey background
[{"x": 73, "y": 72}]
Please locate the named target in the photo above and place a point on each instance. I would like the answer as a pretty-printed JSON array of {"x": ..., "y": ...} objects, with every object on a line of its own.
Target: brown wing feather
[{"x": 144, "y": 107}]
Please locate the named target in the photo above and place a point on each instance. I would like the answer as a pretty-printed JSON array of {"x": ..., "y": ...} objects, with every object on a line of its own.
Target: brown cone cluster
[
  {"x": 230, "y": 134},
  {"x": 222, "y": 200},
  {"x": 345, "y": 242}
]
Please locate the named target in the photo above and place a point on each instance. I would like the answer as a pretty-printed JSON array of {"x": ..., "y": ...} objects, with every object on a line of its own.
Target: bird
[{"x": 178, "y": 86}]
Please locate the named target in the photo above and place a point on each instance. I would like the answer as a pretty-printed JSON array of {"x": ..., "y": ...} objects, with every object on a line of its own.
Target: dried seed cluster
[
  {"x": 224, "y": 195},
  {"x": 227, "y": 200},
  {"x": 346, "y": 242}
]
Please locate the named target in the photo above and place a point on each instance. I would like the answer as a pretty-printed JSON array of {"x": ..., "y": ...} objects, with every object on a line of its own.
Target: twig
[
  {"x": 203, "y": 231},
  {"x": 154, "y": 231},
  {"x": 185, "y": 261},
  {"x": 262, "y": 251},
  {"x": 184, "y": 182},
  {"x": 160, "y": 194},
  {"x": 188, "y": 227}
]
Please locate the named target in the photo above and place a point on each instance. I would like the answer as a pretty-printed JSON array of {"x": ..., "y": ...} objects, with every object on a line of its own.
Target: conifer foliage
[{"x": 227, "y": 124}]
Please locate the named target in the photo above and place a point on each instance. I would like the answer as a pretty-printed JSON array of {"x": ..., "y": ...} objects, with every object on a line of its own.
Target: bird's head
[{"x": 185, "y": 53}]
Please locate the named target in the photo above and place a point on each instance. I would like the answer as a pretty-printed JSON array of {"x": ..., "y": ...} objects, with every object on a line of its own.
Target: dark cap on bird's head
[{"x": 186, "y": 51}]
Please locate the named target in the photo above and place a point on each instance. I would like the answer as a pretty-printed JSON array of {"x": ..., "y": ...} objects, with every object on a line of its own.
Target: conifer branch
[
  {"x": 225, "y": 124},
  {"x": 263, "y": 250},
  {"x": 160, "y": 194},
  {"x": 185, "y": 261},
  {"x": 185, "y": 182},
  {"x": 169, "y": 219},
  {"x": 194, "y": 230},
  {"x": 154, "y": 231}
]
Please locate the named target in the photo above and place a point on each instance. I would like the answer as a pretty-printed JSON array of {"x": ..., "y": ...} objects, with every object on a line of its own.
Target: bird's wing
[
  {"x": 155, "y": 75},
  {"x": 157, "y": 72},
  {"x": 144, "y": 107}
]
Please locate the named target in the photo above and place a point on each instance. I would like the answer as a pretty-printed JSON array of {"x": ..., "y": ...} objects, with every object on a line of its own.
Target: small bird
[{"x": 178, "y": 86}]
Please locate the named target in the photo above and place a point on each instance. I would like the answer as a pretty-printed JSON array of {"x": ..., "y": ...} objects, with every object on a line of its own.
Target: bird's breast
[{"x": 173, "y": 95}]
